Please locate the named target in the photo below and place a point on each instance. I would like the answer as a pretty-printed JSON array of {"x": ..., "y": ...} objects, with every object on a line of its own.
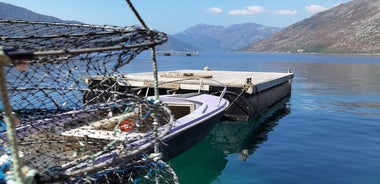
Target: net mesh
[{"x": 70, "y": 129}]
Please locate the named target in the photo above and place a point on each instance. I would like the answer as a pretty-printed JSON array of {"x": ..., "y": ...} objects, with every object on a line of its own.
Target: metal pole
[{"x": 8, "y": 119}]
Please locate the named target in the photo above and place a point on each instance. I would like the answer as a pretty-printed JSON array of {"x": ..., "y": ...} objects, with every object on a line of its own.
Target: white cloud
[
  {"x": 285, "y": 12},
  {"x": 239, "y": 12},
  {"x": 315, "y": 8},
  {"x": 247, "y": 11},
  {"x": 214, "y": 10},
  {"x": 255, "y": 9}
]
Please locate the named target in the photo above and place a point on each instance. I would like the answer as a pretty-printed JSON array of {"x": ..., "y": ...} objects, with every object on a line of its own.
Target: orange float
[{"x": 126, "y": 125}]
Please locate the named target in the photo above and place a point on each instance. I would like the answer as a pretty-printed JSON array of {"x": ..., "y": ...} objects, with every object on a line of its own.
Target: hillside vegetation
[{"x": 352, "y": 27}]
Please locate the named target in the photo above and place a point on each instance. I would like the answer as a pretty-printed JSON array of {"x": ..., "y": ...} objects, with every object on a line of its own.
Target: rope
[
  {"x": 153, "y": 51},
  {"x": 136, "y": 14},
  {"x": 156, "y": 85},
  {"x": 155, "y": 75},
  {"x": 242, "y": 91}
]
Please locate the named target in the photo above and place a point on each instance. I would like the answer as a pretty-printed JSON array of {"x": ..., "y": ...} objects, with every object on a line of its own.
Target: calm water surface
[{"x": 326, "y": 132}]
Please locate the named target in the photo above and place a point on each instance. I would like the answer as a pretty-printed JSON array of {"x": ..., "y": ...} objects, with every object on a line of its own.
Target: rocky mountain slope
[
  {"x": 352, "y": 27},
  {"x": 12, "y": 12},
  {"x": 219, "y": 38},
  {"x": 176, "y": 45},
  {"x": 196, "y": 38}
]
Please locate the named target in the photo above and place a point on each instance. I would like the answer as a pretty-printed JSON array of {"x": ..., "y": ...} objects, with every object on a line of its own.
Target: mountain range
[
  {"x": 220, "y": 38},
  {"x": 200, "y": 37},
  {"x": 352, "y": 27},
  {"x": 12, "y": 12}
]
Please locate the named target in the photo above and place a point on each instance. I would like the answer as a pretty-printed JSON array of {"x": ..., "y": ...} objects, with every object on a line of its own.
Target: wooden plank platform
[
  {"x": 253, "y": 81},
  {"x": 177, "y": 53}
]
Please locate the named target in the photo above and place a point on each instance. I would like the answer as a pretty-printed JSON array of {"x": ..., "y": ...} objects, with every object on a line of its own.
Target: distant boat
[{"x": 177, "y": 53}]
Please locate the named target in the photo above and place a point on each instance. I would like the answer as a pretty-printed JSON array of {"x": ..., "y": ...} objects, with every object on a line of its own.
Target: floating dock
[
  {"x": 249, "y": 93},
  {"x": 176, "y": 53}
]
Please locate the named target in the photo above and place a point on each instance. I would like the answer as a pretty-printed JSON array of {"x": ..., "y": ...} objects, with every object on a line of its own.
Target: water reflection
[
  {"x": 205, "y": 161},
  {"x": 344, "y": 78},
  {"x": 351, "y": 88},
  {"x": 245, "y": 137}
]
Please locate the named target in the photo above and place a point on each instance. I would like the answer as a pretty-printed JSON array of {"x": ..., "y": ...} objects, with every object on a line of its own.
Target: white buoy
[{"x": 206, "y": 68}]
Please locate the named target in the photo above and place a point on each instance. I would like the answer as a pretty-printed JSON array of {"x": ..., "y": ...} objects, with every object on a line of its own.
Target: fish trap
[{"x": 66, "y": 129}]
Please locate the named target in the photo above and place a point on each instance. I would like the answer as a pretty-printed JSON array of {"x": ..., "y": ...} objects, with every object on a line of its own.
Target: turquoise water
[{"x": 326, "y": 132}]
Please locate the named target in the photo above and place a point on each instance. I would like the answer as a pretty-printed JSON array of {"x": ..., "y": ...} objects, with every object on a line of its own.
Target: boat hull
[
  {"x": 191, "y": 129},
  {"x": 186, "y": 139}
]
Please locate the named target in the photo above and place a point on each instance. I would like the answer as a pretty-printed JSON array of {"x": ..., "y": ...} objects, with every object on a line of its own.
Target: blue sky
[{"x": 173, "y": 16}]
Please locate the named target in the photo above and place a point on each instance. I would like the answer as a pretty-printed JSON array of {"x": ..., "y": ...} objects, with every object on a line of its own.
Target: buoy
[{"x": 126, "y": 125}]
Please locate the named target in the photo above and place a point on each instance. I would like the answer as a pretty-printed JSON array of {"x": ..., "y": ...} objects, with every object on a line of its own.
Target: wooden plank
[
  {"x": 162, "y": 85},
  {"x": 256, "y": 81},
  {"x": 95, "y": 134},
  {"x": 183, "y": 75}
]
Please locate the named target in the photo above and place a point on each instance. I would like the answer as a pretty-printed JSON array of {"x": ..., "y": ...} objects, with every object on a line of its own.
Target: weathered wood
[
  {"x": 253, "y": 81},
  {"x": 183, "y": 75}
]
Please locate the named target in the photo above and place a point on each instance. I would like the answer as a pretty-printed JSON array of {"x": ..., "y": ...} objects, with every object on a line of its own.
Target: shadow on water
[{"x": 205, "y": 161}]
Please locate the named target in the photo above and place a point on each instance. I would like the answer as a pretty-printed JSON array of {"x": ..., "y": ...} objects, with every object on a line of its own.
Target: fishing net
[{"x": 71, "y": 129}]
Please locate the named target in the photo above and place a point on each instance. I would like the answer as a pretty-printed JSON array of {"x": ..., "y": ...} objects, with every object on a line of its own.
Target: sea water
[{"x": 327, "y": 131}]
